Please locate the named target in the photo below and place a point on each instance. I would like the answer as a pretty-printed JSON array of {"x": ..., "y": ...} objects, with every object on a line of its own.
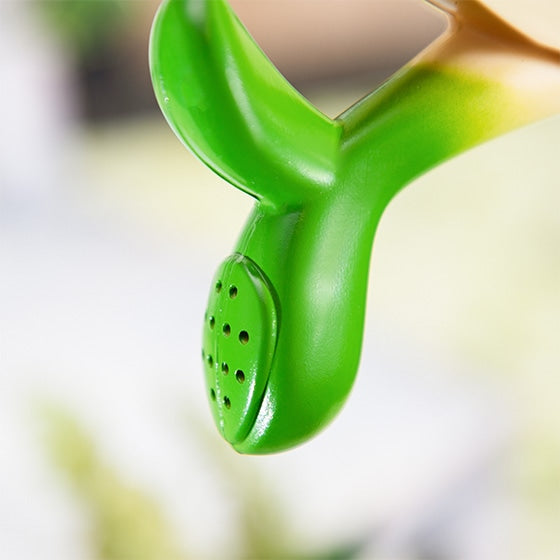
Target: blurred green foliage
[
  {"x": 86, "y": 25},
  {"x": 126, "y": 523}
]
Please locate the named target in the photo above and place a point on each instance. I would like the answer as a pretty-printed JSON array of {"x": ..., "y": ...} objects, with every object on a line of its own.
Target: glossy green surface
[
  {"x": 239, "y": 339},
  {"x": 321, "y": 185}
]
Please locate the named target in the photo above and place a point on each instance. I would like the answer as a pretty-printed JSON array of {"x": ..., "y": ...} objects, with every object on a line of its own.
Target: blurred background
[{"x": 449, "y": 447}]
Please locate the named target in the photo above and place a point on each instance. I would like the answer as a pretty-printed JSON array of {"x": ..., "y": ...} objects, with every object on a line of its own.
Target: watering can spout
[{"x": 284, "y": 323}]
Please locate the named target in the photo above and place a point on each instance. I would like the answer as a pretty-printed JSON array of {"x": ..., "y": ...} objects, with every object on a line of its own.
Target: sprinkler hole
[
  {"x": 227, "y": 402},
  {"x": 218, "y": 286},
  {"x": 225, "y": 368},
  {"x": 203, "y": 354},
  {"x": 212, "y": 322},
  {"x": 227, "y": 329},
  {"x": 233, "y": 292},
  {"x": 213, "y": 394},
  {"x": 210, "y": 360},
  {"x": 243, "y": 337},
  {"x": 240, "y": 376}
]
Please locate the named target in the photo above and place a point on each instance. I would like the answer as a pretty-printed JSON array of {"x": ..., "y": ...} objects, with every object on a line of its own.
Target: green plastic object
[{"x": 284, "y": 324}]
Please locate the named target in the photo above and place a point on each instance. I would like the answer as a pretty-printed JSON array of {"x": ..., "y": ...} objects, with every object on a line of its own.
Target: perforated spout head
[
  {"x": 239, "y": 340},
  {"x": 283, "y": 327}
]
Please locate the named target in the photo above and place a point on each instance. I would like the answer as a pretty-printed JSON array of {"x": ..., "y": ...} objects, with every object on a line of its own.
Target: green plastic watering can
[{"x": 283, "y": 329}]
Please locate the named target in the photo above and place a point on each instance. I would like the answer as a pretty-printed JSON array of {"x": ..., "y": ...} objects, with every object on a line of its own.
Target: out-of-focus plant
[
  {"x": 105, "y": 42},
  {"x": 126, "y": 523},
  {"x": 86, "y": 25}
]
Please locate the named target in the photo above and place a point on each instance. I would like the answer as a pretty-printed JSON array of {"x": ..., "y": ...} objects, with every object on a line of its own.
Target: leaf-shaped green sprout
[{"x": 284, "y": 324}]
